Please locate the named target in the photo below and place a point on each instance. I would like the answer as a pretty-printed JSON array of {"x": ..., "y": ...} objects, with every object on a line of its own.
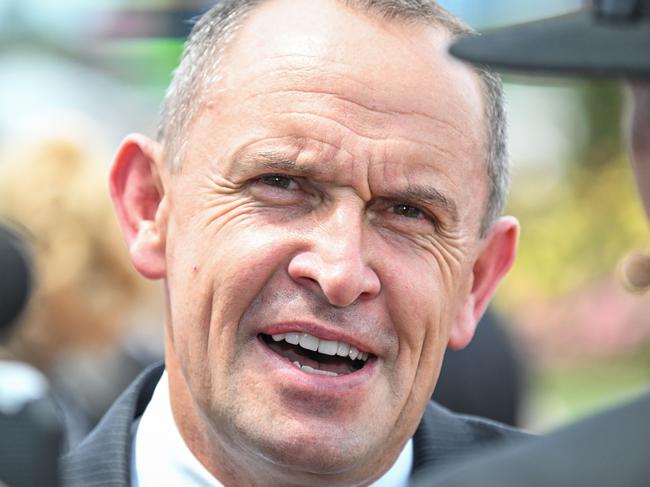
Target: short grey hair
[{"x": 199, "y": 67}]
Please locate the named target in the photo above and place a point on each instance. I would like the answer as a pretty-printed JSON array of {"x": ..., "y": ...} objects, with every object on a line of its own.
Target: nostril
[
  {"x": 341, "y": 281},
  {"x": 308, "y": 282}
]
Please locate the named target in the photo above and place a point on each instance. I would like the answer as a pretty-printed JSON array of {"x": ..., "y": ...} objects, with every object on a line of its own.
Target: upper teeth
[{"x": 326, "y": 347}]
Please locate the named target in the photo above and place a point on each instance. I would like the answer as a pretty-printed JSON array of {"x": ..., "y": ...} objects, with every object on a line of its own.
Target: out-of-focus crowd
[{"x": 91, "y": 323}]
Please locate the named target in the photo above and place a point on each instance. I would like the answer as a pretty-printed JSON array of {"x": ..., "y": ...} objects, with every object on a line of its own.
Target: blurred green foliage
[
  {"x": 602, "y": 105},
  {"x": 576, "y": 227},
  {"x": 145, "y": 63},
  {"x": 574, "y": 233},
  {"x": 561, "y": 393}
]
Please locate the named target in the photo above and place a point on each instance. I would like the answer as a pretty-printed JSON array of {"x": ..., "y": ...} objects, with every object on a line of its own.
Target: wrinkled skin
[{"x": 333, "y": 182}]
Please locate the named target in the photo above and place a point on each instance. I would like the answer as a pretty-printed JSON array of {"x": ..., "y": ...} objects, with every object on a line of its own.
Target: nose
[{"x": 335, "y": 261}]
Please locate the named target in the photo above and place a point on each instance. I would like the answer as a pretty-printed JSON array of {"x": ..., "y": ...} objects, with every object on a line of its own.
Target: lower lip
[{"x": 324, "y": 383}]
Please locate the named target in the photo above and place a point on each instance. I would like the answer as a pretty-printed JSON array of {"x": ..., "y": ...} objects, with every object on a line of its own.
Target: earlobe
[
  {"x": 139, "y": 199},
  {"x": 463, "y": 329},
  {"x": 493, "y": 263}
]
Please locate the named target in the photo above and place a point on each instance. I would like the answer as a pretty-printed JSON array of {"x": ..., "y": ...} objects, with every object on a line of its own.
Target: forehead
[
  {"x": 386, "y": 64},
  {"x": 376, "y": 93}
]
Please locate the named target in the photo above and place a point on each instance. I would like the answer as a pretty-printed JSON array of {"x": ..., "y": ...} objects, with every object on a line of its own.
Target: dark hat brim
[{"x": 576, "y": 43}]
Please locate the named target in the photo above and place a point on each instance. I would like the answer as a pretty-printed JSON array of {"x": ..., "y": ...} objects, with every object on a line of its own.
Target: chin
[{"x": 318, "y": 450}]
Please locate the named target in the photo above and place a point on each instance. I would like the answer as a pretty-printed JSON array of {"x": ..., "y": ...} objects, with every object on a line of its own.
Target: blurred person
[
  {"x": 30, "y": 428},
  {"x": 323, "y": 204},
  {"x": 77, "y": 325},
  {"x": 610, "y": 448},
  {"x": 16, "y": 282}
]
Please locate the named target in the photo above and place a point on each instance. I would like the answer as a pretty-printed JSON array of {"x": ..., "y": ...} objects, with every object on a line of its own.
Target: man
[
  {"x": 323, "y": 205},
  {"x": 610, "y": 448}
]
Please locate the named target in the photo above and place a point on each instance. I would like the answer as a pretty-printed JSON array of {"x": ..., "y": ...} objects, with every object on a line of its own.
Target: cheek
[
  {"x": 212, "y": 279},
  {"x": 420, "y": 296},
  {"x": 423, "y": 301}
]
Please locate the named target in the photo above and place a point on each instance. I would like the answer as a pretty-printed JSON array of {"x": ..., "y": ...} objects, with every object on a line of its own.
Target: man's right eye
[{"x": 279, "y": 181}]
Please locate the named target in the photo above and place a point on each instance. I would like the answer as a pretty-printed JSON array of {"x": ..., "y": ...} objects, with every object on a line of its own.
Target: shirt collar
[{"x": 159, "y": 455}]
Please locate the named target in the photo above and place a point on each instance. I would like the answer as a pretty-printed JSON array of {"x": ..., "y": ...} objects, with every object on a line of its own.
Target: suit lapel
[
  {"x": 104, "y": 457},
  {"x": 443, "y": 437}
]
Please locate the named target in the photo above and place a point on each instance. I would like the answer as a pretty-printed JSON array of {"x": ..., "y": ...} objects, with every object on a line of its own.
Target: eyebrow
[
  {"x": 428, "y": 196},
  {"x": 275, "y": 161},
  {"x": 414, "y": 193}
]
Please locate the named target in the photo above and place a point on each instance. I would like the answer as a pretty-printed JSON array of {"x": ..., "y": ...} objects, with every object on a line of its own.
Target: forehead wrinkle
[
  {"x": 302, "y": 77},
  {"x": 437, "y": 133},
  {"x": 372, "y": 109},
  {"x": 431, "y": 145}
]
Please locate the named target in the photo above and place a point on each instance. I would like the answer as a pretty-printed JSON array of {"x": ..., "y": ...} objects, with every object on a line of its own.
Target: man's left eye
[
  {"x": 408, "y": 211},
  {"x": 278, "y": 181}
]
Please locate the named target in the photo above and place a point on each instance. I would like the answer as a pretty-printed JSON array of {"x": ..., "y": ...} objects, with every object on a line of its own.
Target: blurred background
[{"x": 76, "y": 76}]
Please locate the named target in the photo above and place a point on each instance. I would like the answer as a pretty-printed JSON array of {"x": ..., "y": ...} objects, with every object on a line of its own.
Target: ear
[
  {"x": 495, "y": 259},
  {"x": 139, "y": 199}
]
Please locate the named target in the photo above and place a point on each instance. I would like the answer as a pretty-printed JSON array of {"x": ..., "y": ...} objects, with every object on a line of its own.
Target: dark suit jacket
[
  {"x": 610, "y": 449},
  {"x": 103, "y": 458}
]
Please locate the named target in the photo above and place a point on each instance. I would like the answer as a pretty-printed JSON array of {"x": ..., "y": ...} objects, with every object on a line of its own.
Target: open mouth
[{"x": 316, "y": 356}]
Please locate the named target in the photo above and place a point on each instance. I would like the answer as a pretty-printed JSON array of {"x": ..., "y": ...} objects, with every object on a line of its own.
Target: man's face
[{"x": 331, "y": 192}]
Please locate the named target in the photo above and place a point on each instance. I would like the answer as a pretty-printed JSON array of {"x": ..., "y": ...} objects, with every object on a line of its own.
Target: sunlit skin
[{"x": 333, "y": 182}]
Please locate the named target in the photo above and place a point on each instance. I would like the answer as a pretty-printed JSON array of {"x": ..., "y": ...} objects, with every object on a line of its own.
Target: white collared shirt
[{"x": 160, "y": 457}]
